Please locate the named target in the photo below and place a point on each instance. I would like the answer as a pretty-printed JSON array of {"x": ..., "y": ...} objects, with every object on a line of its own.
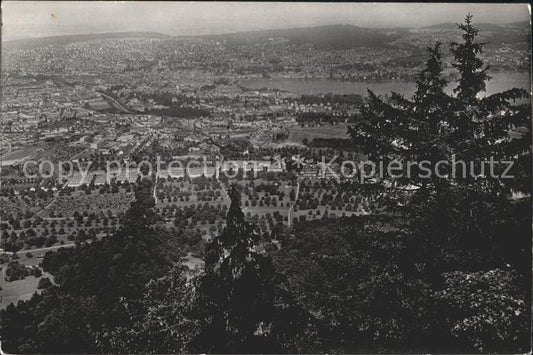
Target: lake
[{"x": 500, "y": 81}]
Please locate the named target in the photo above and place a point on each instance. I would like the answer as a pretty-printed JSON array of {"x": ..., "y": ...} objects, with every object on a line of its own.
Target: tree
[
  {"x": 16, "y": 271},
  {"x": 460, "y": 223},
  {"x": 437, "y": 127},
  {"x": 164, "y": 319},
  {"x": 44, "y": 283},
  {"x": 237, "y": 304},
  {"x": 244, "y": 304},
  {"x": 357, "y": 283},
  {"x": 470, "y": 66},
  {"x": 485, "y": 311},
  {"x": 83, "y": 311}
]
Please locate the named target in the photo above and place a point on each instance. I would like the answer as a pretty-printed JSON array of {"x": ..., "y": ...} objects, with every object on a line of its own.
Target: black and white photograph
[{"x": 265, "y": 177}]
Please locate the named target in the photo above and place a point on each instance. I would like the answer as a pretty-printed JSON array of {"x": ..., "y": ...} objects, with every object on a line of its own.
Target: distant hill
[
  {"x": 447, "y": 25},
  {"x": 483, "y": 27},
  {"x": 44, "y": 41},
  {"x": 520, "y": 24},
  {"x": 331, "y": 36},
  {"x": 322, "y": 37},
  {"x": 517, "y": 33},
  {"x": 480, "y": 26}
]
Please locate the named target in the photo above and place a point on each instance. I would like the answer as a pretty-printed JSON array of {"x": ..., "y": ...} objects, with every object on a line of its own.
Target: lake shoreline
[{"x": 500, "y": 81}]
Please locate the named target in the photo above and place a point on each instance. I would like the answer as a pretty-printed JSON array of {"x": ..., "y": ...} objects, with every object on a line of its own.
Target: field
[
  {"x": 18, "y": 154},
  {"x": 21, "y": 290}
]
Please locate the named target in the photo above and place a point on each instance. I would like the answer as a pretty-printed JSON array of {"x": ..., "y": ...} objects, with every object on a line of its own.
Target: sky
[{"x": 30, "y": 19}]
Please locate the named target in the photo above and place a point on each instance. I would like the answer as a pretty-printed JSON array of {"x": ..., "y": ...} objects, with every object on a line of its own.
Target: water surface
[{"x": 500, "y": 81}]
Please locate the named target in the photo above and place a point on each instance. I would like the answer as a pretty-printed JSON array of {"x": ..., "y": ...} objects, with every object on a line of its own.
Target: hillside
[
  {"x": 321, "y": 37},
  {"x": 45, "y": 41},
  {"x": 495, "y": 36},
  {"x": 332, "y": 36},
  {"x": 481, "y": 26},
  {"x": 349, "y": 36}
]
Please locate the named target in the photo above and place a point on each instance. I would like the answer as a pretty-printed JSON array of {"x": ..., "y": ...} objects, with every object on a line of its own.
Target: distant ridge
[
  {"x": 481, "y": 26},
  {"x": 321, "y": 37},
  {"x": 63, "y": 39},
  {"x": 516, "y": 33},
  {"x": 520, "y": 24},
  {"x": 329, "y": 36}
]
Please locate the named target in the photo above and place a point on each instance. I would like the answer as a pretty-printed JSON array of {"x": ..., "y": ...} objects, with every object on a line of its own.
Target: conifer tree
[
  {"x": 458, "y": 223},
  {"x": 398, "y": 128},
  {"x": 482, "y": 125},
  {"x": 243, "y": 303},
  {"x": 470, "y": 66}
]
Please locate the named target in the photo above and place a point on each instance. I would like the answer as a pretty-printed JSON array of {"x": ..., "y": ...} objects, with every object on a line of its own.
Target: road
[
  {"x": 38, "y": 214},
  {"x": 113, "y": 102},
  {"x": 155, "y": 187},
  {"x": 227, "y": 198},
  {"x": 294, "y": 204},
  {"x": 77, "y": 155},
  {"x": 55, "y": 247}
]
